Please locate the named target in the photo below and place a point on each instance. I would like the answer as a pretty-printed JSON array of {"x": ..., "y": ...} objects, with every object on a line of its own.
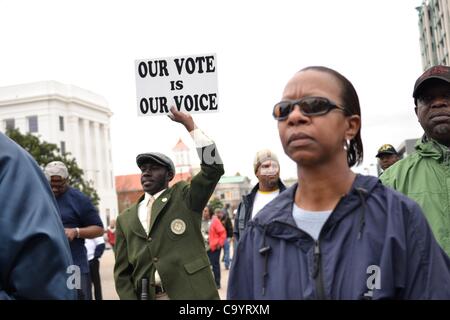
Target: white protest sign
[{"x": 189, "y": 83}]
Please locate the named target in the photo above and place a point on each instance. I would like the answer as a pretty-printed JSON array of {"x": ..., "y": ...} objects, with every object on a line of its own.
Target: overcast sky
[{"x": 259, "y": 46}]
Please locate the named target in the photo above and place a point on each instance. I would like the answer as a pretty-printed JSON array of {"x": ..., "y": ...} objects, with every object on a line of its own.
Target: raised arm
[{"x": 203, "y": 184}]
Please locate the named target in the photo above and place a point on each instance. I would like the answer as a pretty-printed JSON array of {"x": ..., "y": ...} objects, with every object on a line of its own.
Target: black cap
[
  {"x": 436, "y": 72},
  {"x": 386, "y": 149},
  {"x": 157, "y": 157}
]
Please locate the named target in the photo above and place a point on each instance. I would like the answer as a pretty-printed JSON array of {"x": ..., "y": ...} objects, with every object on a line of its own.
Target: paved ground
[{"x": 109, "y": 290}]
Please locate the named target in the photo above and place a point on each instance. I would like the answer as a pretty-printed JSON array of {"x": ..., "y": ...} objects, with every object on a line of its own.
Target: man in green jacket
[
  {"x": 425, "y": 174},
  {"x": 160, "y": 253}
]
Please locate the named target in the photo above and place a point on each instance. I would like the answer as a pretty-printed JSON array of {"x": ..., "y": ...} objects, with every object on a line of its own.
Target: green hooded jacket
[{"x": 424, "y": 176}]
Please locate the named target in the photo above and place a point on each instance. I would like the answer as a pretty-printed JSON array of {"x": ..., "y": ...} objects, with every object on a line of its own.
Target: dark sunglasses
[{"x": 309, "y": 106}]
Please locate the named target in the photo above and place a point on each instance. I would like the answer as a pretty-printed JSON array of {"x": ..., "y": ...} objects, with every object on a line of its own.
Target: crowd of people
[{"x": 334, "y": 234}]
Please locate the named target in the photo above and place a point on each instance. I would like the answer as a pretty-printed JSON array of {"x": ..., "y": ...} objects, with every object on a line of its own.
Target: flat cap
[{"x": 157, "y": 157}]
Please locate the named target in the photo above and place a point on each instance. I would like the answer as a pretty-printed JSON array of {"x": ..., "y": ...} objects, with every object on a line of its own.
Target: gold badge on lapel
[{"x": 178, "y": 226}]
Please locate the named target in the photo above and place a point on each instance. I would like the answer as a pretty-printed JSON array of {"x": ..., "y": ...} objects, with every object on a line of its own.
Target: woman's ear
[{"x": 353, "y": 126}]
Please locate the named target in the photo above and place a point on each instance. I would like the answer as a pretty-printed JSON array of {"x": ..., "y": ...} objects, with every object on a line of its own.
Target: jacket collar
[
  {"x": 159, "y": 204},
  {"x": 135, "y": 223},
  {"x": 255, "y": 189},
  {"x": 277, "y": 220},
  {"x": 430, "y": 148}
]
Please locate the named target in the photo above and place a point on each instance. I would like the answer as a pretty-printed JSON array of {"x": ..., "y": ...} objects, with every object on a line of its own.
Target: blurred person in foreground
[{"x": 35, "y": 258}]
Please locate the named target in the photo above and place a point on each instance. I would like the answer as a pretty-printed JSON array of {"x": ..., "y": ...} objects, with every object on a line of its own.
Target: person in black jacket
[{"x": 267, "y": 170}]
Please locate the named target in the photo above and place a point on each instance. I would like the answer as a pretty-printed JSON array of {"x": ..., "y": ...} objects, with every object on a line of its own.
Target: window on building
[
  {"x": 33, "y": 124},
  {"x": 61, "y": 123},
  {"x": 10, "y": 124},
  {"x": 63, "y": 147}
]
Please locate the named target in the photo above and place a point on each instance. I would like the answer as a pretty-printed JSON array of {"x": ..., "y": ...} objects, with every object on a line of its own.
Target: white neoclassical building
[{"x": 76, "y": 120}]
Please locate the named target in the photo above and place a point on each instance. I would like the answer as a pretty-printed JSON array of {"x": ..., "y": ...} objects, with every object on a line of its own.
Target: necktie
[{"x": 149, "y": 211}]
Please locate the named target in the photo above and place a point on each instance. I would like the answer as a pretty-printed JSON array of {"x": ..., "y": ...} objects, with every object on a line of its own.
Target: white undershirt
[
  {"x": 142, "y": 210},
  {"x": 261, "y": 199},
  {"x": 91, "y": 245},
  {"x": 310, "y": 221}
]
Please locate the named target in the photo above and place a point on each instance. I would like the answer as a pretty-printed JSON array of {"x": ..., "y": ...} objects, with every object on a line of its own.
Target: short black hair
[{"x": 350, "y": 102}]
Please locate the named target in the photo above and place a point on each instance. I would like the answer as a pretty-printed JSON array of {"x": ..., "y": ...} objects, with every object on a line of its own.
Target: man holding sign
[
  {"x": 188, "y": 82},
  {"x": 160, "y": 252}
]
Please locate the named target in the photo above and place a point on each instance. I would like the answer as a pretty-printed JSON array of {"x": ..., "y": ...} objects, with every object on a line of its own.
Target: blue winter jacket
[
  {"x": 376, "y": 244},
  {"x": 34, "y": 251}
]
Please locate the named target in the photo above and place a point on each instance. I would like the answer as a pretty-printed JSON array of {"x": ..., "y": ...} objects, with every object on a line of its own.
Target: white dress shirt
[{"x": 142, "y": 210}]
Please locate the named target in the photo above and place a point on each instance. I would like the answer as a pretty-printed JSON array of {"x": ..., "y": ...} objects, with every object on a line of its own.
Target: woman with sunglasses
[{"x": 335, "y": 234}]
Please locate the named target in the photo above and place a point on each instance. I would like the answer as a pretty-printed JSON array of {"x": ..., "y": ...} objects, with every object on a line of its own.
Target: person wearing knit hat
[
  {"x": 267, "y": 170},
  {"x": 262, "y": 156}
]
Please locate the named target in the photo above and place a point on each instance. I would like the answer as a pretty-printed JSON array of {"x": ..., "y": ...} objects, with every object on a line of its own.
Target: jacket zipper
[
  {"x": 317, "y": 272},
  {"x": 317, "y": 266}
]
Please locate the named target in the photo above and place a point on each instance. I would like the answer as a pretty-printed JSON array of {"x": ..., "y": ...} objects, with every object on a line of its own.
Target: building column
[
  {"x": 446, "y": 8},
  {"x": 110, "y": 188},
  {"x": 97, "y": 163},
  {"x": 106, "y": 152},
  {"x": 427, "y": 33},
  {"x": 88, "y": 165},
  {"x": 73, "y": 133}
]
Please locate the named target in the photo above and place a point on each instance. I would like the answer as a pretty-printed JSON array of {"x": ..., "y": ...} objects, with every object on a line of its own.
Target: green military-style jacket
[{"x": 174, "y": 245}]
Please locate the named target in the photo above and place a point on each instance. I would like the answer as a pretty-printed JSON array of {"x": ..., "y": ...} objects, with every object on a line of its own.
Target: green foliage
[
  {"x": 215, "y": 203},
  {"x": 44, "y": 152}
]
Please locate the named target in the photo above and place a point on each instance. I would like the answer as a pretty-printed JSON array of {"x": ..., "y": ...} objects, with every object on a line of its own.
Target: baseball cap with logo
[
  {"x": 56, "y": 168},
  {"x": 386, "y": 149},
  {"x": 435, "y": 72}
]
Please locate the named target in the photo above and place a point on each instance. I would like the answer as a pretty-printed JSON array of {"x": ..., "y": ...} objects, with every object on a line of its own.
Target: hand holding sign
[
  {"x": 189, "y": 83},
  {"x": 184, "y": 118}
]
